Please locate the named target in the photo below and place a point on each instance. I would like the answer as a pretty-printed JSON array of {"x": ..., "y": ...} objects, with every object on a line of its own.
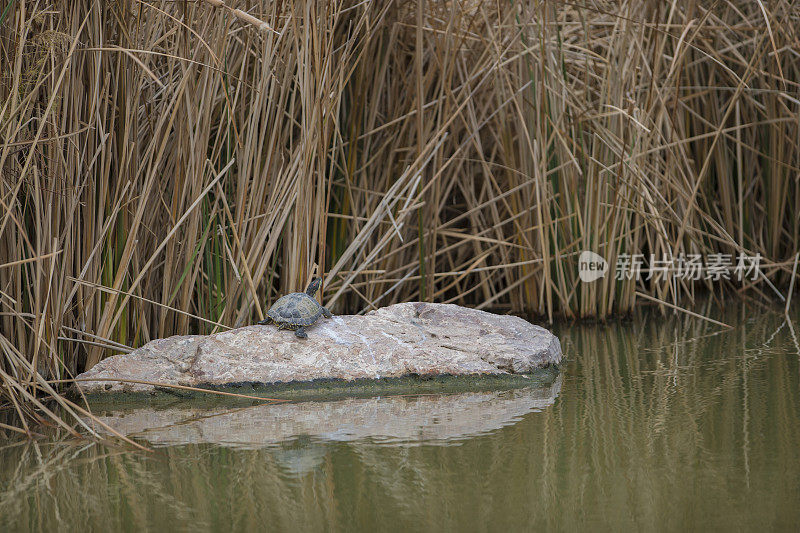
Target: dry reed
[{"x": 170, "y": 167}]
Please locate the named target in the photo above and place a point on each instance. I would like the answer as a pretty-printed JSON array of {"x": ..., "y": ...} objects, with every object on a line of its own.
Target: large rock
[{"x": 403, "y": 339}]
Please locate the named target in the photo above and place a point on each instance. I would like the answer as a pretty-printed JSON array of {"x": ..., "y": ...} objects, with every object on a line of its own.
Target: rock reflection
[{"x": 431, "y": 419}]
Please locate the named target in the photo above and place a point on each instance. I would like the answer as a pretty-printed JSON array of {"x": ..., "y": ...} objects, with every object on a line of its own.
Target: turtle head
[{"x": 312, "y": 288}]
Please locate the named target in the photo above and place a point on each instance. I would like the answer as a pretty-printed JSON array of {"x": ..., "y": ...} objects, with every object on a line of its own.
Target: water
[{"x": 662, "y": 423}]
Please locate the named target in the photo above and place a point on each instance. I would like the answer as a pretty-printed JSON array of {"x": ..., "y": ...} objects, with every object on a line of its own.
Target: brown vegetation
[{"x": 172, "y": 166}]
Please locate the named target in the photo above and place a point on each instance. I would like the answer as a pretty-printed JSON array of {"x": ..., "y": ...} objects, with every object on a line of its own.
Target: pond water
[{"x": 659, "y": 423}]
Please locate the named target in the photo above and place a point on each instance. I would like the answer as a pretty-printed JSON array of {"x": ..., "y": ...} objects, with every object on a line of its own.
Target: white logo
[{"x": 591, "y": 266}]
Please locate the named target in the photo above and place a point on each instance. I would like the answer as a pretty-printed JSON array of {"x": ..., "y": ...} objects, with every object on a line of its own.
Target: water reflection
[
  {"x": 429, "y": 419},
  {"x": 660, "y": 424}
]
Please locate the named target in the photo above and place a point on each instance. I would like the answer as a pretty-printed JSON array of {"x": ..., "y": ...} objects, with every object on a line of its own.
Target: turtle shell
[{"x": 297, "y": 309}]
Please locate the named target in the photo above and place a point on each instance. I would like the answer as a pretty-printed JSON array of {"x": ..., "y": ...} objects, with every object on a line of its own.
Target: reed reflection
[{"x": 660, "y": 423}]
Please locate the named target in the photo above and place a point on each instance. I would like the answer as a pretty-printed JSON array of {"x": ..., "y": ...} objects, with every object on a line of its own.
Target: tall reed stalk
[{"x": 171, "y": 167}]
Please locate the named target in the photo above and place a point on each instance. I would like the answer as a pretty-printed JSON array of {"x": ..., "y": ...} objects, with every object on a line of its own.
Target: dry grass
[{"x": 170, "y": 166}]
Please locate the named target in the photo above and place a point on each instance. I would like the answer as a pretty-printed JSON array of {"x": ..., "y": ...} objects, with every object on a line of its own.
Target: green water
[{"x": 662, "y": 423}]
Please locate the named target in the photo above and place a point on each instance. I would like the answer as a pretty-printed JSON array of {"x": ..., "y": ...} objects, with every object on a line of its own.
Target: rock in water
[{"x": 399, "y": 340}]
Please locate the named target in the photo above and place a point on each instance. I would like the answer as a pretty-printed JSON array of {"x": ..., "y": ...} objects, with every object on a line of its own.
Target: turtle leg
[
  {"x": 267, "y": 321},
  {"x": 301, "y": 333},
  {"x": 326, "y": 313}
]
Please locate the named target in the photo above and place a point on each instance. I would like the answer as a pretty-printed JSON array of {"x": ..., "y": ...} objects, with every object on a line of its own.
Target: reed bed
[{"x": 170, "y": 167}]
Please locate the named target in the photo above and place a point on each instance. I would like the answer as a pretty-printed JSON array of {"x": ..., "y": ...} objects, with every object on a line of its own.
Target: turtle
[{"x": 297, "y": 311}]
